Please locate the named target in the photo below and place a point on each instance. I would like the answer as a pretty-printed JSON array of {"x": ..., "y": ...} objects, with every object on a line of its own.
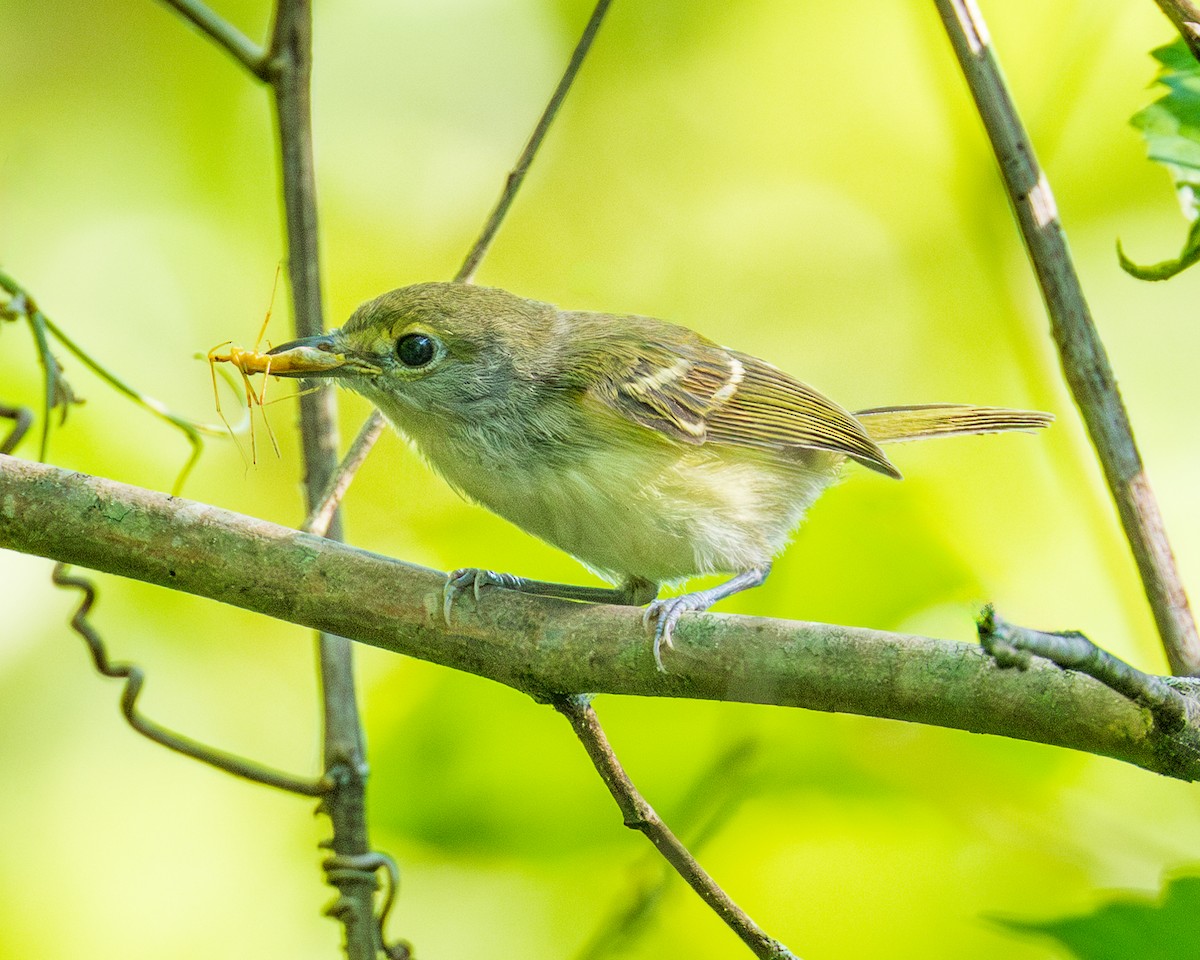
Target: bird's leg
[
  {"x": 633, "y": 592},
  {"x": 662, "y": 615}
]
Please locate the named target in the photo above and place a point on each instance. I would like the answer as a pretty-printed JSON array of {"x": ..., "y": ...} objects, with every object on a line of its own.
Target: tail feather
[{"x": 896, "y": 424}]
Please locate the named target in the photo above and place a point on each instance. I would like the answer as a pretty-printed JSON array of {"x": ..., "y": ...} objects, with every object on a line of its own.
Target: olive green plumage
[{"x": 645, "y": 450}]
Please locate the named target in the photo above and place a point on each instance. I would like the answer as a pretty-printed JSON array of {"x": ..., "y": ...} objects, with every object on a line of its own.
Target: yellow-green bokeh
[{"x": 806, "y": 182}]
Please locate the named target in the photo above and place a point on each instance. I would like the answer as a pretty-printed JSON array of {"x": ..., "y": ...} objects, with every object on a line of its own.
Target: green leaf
[
  {"x": 1175, "y": 57},
  {"x": 1163, "y": 929}
]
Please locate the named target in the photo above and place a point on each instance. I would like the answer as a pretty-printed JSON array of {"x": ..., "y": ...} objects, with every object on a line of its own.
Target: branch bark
[
  {"x": 289, "y": 70},
  {"x": 1015, "y": 646},
  {"x": 547, "y": 647},
  {"x": 1085, "y": 364},
  {"x": 639, "y": 815}
]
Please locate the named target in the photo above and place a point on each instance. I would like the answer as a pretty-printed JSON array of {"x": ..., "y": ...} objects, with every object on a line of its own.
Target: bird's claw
[
  {"x": 459, "y": 580},
  {"x": 660, "y": 618}
]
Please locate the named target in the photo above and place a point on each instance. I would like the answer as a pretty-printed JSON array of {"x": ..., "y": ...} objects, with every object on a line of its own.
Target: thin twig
[
  {"x": 288, "y": 70},
  {"x": 58, "y": 392},
  {"x": 516, "y": 176},
  {"x": 713, "y": 798},
  {"x": 223, "y": 34},
  {"x": 318, "y": 520},
  {"x": 135, "y": 678},
  {"x": 1011, "y": 646},
  {"x": 369, "y": 432},
  {"x": 1084, "y": 361},
  {"x": 639, "y": 815},
  {"x": 1185, "y": 15}
]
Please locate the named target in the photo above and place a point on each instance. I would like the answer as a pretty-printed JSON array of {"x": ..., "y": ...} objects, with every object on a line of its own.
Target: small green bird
[{"x": 646, "y": 451}]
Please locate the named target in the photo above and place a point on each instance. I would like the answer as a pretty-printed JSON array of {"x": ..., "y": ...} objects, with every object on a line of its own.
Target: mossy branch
[{"x": 547, "y": 647}]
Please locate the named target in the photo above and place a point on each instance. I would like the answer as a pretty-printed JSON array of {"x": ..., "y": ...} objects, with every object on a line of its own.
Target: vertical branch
[
  {"x": 287, "y": 67},
  {"x": 289, "y": 73},
  {"x": 1084, "y": 361},
  {"x": 289, "y": 70}
]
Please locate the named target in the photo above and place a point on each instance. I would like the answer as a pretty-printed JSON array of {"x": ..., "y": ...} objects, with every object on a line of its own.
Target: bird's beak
[{"x": 316, "y": 357}]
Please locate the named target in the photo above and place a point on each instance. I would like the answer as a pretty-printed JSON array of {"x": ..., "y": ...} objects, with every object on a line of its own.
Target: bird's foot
[
  {"x": 661, "y": 616},
  {"x": 475, "y": 579}
]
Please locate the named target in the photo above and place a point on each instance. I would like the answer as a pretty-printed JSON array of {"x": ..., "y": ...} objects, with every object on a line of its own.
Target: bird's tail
[{"x": 896, "y": 424}]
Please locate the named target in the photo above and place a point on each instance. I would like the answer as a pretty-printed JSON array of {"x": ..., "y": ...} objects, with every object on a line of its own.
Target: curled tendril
[
  {"x": 135, "y": 678},
  {"x": 342, "y": 868}
]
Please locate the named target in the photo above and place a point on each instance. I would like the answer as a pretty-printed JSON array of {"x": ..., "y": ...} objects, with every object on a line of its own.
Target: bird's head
[{"x": 439, "y": 349}]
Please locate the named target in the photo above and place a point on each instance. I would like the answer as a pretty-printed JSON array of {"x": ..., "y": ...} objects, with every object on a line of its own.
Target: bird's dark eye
[{"x": 415, "y": 349}]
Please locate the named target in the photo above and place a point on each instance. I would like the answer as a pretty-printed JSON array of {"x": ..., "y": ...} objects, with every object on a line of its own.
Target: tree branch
[
  {"x": 711, "y": 800},
  {"x": 547, "y": 647},
  {"x": 289, "y": 70},
  {"x": 321, "y": 516},
  {"x": 1013, "y": 646},
  {"x": 639, "y": 815},
  {"x": 1084, "y": 360}
]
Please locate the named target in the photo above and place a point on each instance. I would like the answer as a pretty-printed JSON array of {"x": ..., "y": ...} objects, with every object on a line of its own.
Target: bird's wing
[{"x": 697, "y": 392}]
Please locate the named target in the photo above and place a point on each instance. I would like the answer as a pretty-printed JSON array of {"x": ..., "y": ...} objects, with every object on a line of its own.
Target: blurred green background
[{"x": 805, "y": 182}]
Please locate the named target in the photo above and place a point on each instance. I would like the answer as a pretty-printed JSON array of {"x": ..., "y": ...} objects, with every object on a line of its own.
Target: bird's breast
[{"x": 659, "y": 511}]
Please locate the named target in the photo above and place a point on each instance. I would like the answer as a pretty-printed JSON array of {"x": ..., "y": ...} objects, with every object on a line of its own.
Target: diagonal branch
[
  {"x": 1084, "y": 360},
  {"x": 321, "y": 516},
  {"x": 639, "y": 815},
  {"x": 547, "y": 647},
  {"x": 516, "y": 176}
]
